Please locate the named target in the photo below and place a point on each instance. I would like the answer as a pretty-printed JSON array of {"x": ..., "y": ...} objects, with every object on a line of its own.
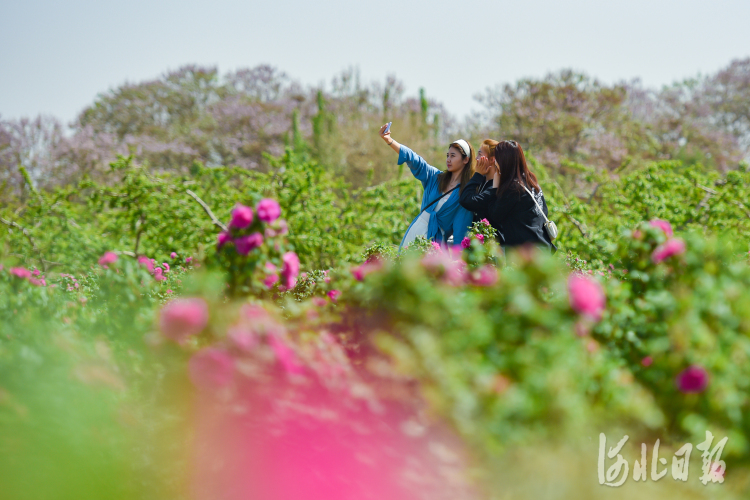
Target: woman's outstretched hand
[{"x": 388, "y": 140}]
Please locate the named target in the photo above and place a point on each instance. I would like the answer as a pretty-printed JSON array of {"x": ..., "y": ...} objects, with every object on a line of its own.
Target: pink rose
[
  {"x": 188, "y": 260},
  {"x": 586, "y": 296},
  {"x": 173, "y": 255},
  {"x": 268, "y": 210},
  {"x": 647, "y": 361},
  {"x": 692, "y": 379},
  {"x": 290, "y": 269},
  {"x": 451, "y": 270},
  {"x": 436, "y": 246},
  {"x": 368, "y": 267},
  {"x": 242, "y": 217},
  {"x": 211, "y": 369},
  {"x": 158, "y": 276},
  {"x": 319, "y": 301},
  {"x": 169, "y": 292},
  {"x": 107, "y": 258},
  {"x": 663, "y": 225},
  {"x": 285, "y": 355},
  {"x": 20, "y": 272},
  {"x": 37, "y": 272},
  {"x": 485, "y": 222},
  {"x": 273, "y": 277},
  {"x": 674, "y": 246},
  {"x": 484, "y": 276},
  {"x": 183, "y": 318},
  {"x": 146, "y": 262},
  {"x": 222, "y": 239},
  {"x": 466, "y": 242},
  {"x": 334, "y": 295},
  {"x": 166, "y": 267},
  {"x": 245, "y": 244},
  {"x": 480, "y": 237}
]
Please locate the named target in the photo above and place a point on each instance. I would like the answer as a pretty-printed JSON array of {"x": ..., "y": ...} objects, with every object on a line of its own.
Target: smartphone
[{"x": 387, "y": 128}]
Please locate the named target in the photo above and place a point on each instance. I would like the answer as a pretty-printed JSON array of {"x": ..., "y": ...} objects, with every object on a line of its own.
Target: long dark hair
[
  {"x": 514, "y": 171},
  {"x": 444, "y": 178}
]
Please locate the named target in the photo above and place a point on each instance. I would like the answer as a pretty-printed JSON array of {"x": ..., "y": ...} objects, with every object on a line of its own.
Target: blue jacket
[{"x": 452, "y": 216}]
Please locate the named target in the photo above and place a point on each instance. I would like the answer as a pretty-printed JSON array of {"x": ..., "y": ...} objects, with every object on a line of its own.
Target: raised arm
[
  {"x": 475, "y": 201},
  {"x": 418, "y": 166}
]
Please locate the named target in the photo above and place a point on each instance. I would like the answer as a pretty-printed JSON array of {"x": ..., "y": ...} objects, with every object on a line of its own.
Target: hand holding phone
[{"x": 387, "y": 128}]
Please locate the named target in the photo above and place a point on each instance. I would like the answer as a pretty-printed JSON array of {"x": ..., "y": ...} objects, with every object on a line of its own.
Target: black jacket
[
  {"x": 514, "y": 214},
  {"x": 477, "y": 197}
]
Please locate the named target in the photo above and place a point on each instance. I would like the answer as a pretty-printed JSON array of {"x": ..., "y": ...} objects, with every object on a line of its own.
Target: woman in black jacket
[
  {"x": 478, "y": 193},
  {"x": 511, "y": 206}
]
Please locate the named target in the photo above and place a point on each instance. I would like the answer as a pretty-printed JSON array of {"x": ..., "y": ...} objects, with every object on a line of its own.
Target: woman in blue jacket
[{"x": 441, "y": 215}]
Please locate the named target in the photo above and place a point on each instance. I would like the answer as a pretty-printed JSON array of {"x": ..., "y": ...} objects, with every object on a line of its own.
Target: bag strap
[
  {"x": 439, "y": 198},
  {"x": 535, "y": 202}
]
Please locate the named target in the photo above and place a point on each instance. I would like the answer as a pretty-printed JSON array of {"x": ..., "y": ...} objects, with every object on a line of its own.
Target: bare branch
[
  {"x": 207, "y": 210},
  {"x": 578, "y": 225}
]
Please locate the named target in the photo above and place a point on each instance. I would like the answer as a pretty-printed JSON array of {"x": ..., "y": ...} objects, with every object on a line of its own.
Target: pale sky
[{"x": 57, "y": 56}]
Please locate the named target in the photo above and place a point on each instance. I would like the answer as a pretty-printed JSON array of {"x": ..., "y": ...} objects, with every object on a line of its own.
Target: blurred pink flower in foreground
[
  {"x": 334, "y": 295},
  {"x": 242, "y": 338},
  {"x": 242, "y": 217},
  {"x": 273, "y": 277},
  {"x": 188, "y": 260},
  {"x": 372, "y": 265},
  {"x": 672, "y": 247},
  {"x": 247, "y": 243},
  {"x": 445, "y": 265},
  {"x": 173, "y": 255},
  {"x": 107, "y": 258},
  {"x": 436, "y": 246},
  {"x": 158, "y": 276},
  {"x": 484, "y": 276},
  {"x": 222, "y": 239},
  {"x": 183, "y": 318},
  {"x": 692, "y": 379},
  {"x": 146, "y": 262},
  {"x": 285, "y": 355},
  {"x": 166, "y": 267},
  {"x": 20, "y": 272},
  {"x": 647, "y": 361},
  {"x": 586, "y": 296},
  {"x": 290, "y": 269},
  {"x": 211, "y": 368},
  {"x": 319, "y": 301},
  {"x": 36, "y": 272},
  {"x": 664, "y": 226},
  {"x": 480, "y": 237},
  {"x": 268, "y": 210},
  {"x": 280, "y": 228}
]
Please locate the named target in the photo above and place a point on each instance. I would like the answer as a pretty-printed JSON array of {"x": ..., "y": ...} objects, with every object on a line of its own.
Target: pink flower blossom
[
  {"x": 242, "y": 338},
  {"x": 242, "y": 217},
  {"x": 637, "y": 234},
  {"x": 692, "y": 379},
  {"x": 663, "y": 225},
  {"x": 20, "y": 272},
  {"x": 188, "y": 260},
  {"x": 334, "y": 295},
  {"x": 290, "y": 269},
  {"x": 674, "y": 246},
  {"x": 222, "y": 239},
  {"x": 319, "y": 301},
  {"x": 268, "y": 210},
  {"x": 173, "y": 255},
  {"x": 158, "y": 276},
  {"x": 368, "y": 267},
  {"x": 586, "y": 296},
  {"x": 466, "y": 242},
  {"x": 436, "y": 246},
  {"x": 285, "y": 355},
  {"x": 146, "y": 262},
  {"x": 445, "y": 266},
  {"x": 484, "y": 276},
  {"x": 37, "y": 282},
  {"x": 166, "y": 267},
  {"x": 647, "y": 361},
  {"x": 247, "y": 243},
  {"x": 273, "y": 277},
  {"x": 37, "y": 272},
  {"x": 169, "y": 292},
  {"x": 485, "y": 222},
  {"x": 107, "y": 258},
  {"x": 279, "y": 228},
  {"x": 211, "y": 369},
  {"x": 180, "y": 319}
]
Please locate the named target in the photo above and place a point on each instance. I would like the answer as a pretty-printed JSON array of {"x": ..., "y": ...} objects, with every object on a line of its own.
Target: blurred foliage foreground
[{"x": 234, "y": 335}]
